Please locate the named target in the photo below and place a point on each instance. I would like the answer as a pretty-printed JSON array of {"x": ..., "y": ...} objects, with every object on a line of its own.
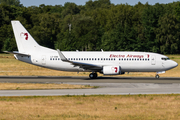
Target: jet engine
[{"x": 111, "y": 70}]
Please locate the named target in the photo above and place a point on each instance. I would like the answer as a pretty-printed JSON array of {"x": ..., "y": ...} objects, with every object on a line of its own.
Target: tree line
[{"x": 94, "y": 26}]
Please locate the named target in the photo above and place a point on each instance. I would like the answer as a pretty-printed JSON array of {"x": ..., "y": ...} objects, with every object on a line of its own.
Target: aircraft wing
[
  {"x": 81, "y": 65},
  {"x": 87, "y": 66},
  {"x": 16, "y": 53}
]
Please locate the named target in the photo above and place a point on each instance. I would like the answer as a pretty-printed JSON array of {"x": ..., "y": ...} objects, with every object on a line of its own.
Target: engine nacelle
[{"x": 111, "y": 70}]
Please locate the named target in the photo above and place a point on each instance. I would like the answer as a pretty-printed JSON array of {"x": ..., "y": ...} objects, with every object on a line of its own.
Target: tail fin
[{"x": 24, "y": 41}]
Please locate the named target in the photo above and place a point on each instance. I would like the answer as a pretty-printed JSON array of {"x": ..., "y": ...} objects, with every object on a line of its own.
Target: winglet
[{"x": 63, "y": 58}]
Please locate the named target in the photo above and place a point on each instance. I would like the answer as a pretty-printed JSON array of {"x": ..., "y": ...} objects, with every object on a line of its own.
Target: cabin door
[
  {"x": 43, "y": 60},
  {"x": 153, "y": 60}
]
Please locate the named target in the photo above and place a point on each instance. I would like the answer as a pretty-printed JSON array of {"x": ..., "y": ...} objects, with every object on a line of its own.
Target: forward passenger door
[{"x": 153, "y": 60}]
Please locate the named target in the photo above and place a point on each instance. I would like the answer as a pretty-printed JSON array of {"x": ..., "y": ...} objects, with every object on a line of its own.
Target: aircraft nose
[{"x": 174, "y": 64}]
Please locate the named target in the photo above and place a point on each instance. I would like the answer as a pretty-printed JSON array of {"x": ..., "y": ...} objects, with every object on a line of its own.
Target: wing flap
[{"x": 87, "y": 66}]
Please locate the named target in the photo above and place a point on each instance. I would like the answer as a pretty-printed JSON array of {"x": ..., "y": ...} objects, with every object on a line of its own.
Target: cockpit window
[{"x": 165, "y": 59}]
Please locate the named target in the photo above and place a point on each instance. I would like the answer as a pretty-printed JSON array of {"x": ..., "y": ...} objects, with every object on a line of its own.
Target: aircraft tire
[
  {"x": 157, "y": 76},
  {"x": 93, "y": 75}
]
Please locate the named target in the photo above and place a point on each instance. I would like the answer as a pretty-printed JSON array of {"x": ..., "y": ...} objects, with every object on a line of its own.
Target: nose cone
[
  {"x": 174, "y": 64},
  {"x": 170, "y": 64}
]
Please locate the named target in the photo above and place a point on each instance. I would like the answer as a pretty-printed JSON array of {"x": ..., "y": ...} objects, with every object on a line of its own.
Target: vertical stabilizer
[{"x": 25, "y": 42}]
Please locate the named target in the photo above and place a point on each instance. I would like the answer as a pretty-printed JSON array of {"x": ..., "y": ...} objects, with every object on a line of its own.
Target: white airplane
[{"x": 107, "y": 63}]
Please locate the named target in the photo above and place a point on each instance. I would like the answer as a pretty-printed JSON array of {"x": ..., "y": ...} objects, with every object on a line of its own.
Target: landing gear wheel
[
  {"x": 157, "y": 76},
  {"x": 93, "y": 75}
]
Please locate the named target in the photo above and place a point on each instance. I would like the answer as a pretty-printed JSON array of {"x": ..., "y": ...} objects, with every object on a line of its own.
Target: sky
[{"x": 28, "y": 3}]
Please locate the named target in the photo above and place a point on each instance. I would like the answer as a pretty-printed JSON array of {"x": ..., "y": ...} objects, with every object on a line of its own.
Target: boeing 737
[{"x": 107, "y": 63}]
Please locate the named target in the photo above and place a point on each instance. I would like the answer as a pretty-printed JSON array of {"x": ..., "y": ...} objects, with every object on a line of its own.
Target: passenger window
[
  {"x": 98, "y": 59},
  {"x": 81, "y": 58},
  {"x": 76, "y": 58},
  {"x": 89, "y": 58},
  {"x": 130, "y": 59},
  {"x": 84, "y": 58},
  {"x": 106, "y": 58},
  {"x": 124, "y": 58},
  {"x": 138, "y": 59},
  {"x": 92, "y": 58},
  {"x": 95, "y": 59},
  {"x": 50, "y": 58}
]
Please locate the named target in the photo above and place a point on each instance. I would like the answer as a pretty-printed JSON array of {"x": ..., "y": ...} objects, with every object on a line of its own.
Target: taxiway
[{"x": 107, "y": 86}]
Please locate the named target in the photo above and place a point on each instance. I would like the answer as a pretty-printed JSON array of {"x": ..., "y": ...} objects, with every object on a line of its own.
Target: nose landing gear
[
  {"x": 93, "y": 75},
  {"x": 157, "y": 76}
]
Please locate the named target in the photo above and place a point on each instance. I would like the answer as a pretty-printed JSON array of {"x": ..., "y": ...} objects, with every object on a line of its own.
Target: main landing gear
[
  {"x": 93, "y": 75},
  {"x": 157, "y": 76}
]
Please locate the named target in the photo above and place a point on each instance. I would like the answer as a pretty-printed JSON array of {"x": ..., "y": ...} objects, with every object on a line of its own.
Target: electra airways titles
[{"x": 107, "y": 63}]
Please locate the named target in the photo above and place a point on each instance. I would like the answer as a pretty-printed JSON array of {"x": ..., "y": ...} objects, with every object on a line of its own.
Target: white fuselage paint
[{"x": 150, "y": 62}]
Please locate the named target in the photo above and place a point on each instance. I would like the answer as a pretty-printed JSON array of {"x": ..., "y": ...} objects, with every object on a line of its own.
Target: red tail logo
[{"x": 25, "y": 35}]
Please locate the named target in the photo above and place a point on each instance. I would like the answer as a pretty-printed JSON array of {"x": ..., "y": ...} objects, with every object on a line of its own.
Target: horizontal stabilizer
[{"x": 16, "y": 53}]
